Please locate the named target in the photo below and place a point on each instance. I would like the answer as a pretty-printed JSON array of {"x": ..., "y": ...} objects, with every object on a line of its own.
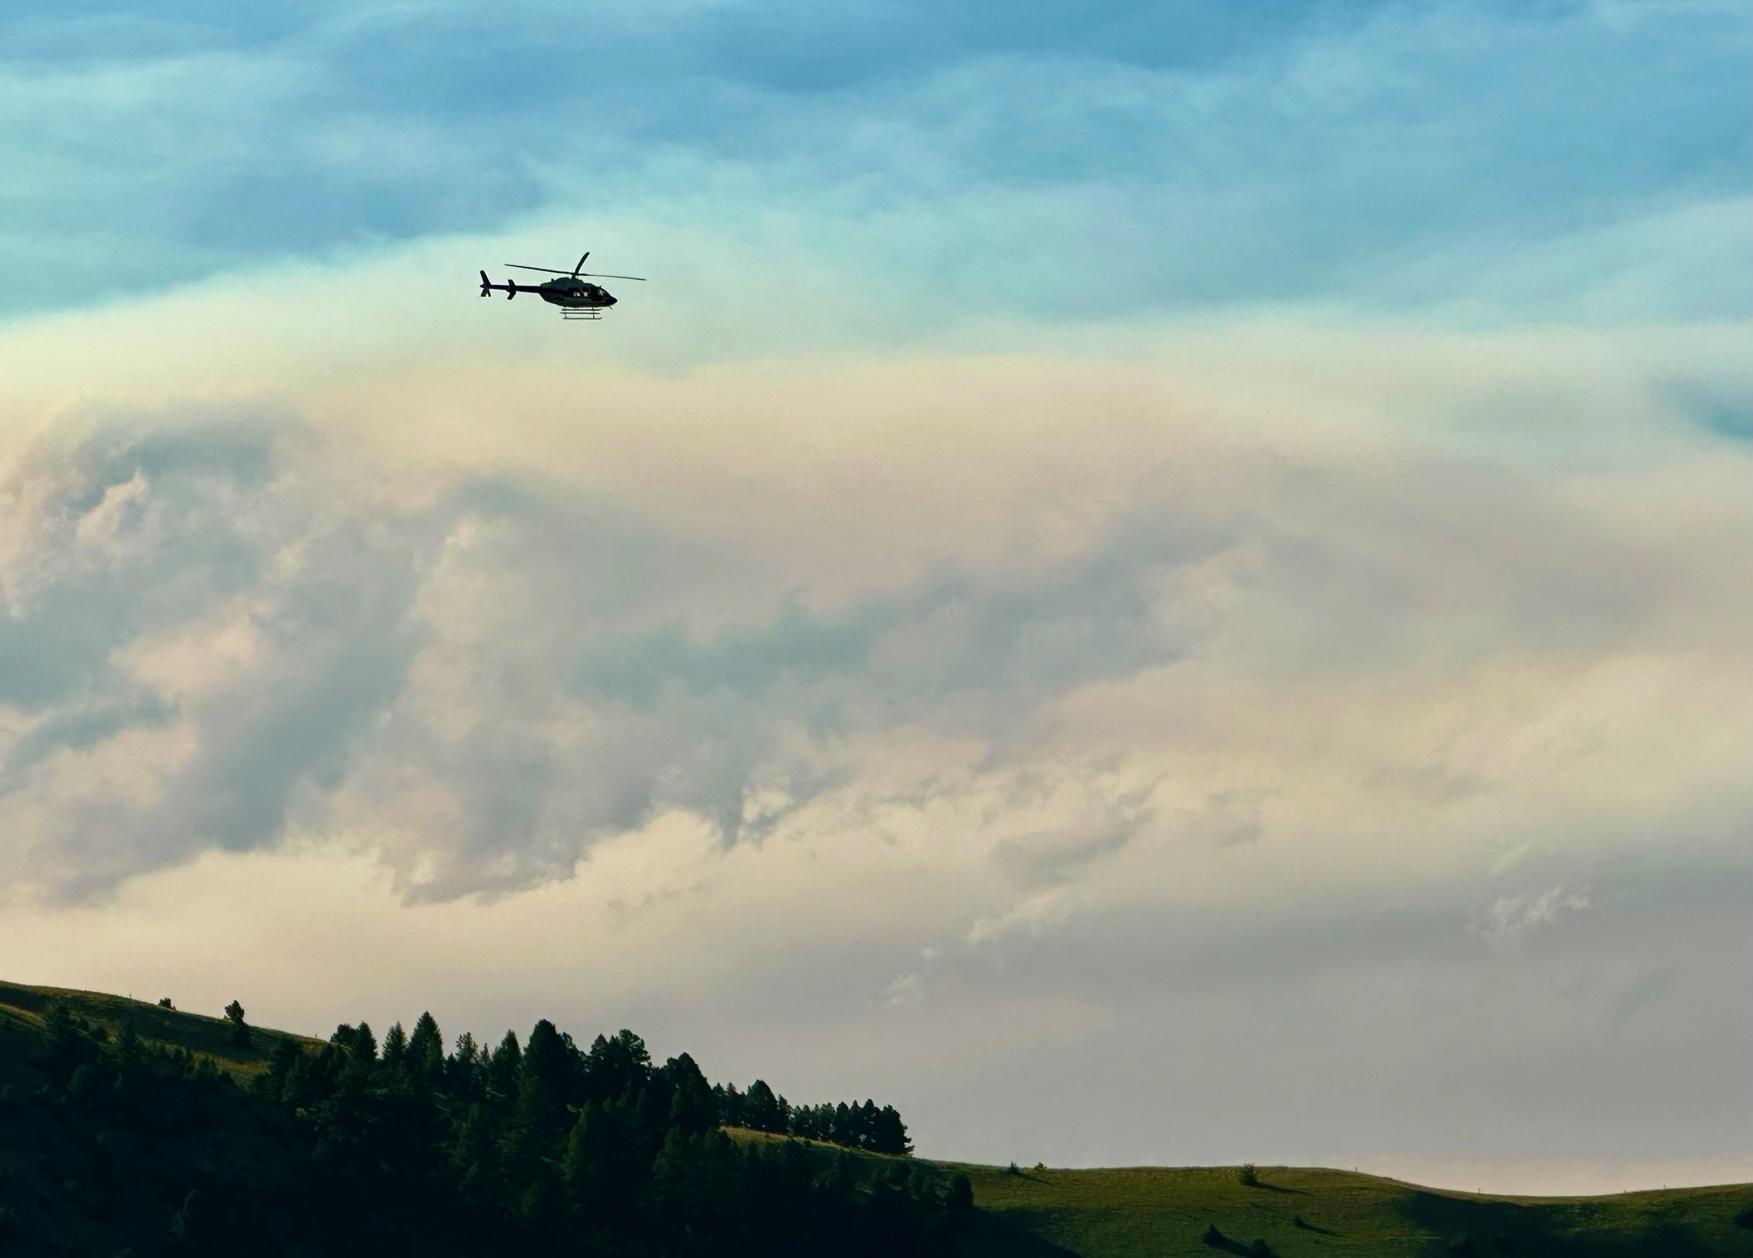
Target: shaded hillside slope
[{"x": 71, "y": 1184}]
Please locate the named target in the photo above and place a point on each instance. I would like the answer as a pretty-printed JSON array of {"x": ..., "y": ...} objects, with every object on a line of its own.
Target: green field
[
  {"x": 1042, "y": 1212},
  {"x": 1156, "y": 1210}
]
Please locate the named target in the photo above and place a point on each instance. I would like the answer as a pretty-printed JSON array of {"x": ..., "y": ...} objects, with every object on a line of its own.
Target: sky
[{"x": 1147, "y": 582}]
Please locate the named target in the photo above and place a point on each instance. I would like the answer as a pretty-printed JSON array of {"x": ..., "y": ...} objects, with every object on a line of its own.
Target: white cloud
[
  {"x": 1510, "y": 919},
  {"x": 491, "y": 619}
]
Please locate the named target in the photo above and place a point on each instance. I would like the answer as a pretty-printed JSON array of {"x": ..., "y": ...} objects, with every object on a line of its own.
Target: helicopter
[{"x": 577, "y": 299}]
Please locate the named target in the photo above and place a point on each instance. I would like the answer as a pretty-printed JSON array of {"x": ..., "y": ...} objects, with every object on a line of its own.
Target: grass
[
  {"x": 22, "y": 1009},
  {"x": 1154, "y": 1211},
  {"x": 1157, "y": 1210}
]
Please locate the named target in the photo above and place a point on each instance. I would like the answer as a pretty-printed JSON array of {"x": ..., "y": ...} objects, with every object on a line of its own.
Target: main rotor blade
[
  {"x": 550, "y": 270},
  {"x": 598, "y": 275}
]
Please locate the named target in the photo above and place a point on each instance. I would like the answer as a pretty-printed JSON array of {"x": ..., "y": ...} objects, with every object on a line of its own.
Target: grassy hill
[
  {"x": 1156, "y": 1211},
  {"x": 22, "y": 1009},
  {"x": 1047, "y": 1213}
]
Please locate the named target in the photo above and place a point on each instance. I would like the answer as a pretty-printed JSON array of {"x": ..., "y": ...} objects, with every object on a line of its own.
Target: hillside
[
  {"x": 55, "y": 1159},
  {"x": 23, "y": 1009},
  {"x": 1155, "y": 1211},
  {"x": 1123, "y": 1211}
]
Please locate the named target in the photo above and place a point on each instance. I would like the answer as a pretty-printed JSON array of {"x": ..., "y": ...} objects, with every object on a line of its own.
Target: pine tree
[
  {"x": 865, "y": 1122},
  {"x": 502, "y": 1066},
  {"x": 616, "y": 1068},
  {"x": 356, "y": 1040},
  {"x": 731, "y": 1105},
  {"x": 538, "y": 1117},
  {"x": 546, "y": 1059},
  {"x": 761, "y": 1108},
  {"x": 602, "y": 1169},
  {"x": 474, "y": 1161},
  {"x": 542, "y": 1206},
  {"x": 680, "y": 1195},
  {"x": 888, "y": 1134},
  {"x": 463, "y": 1069},
  {"x": 693, "y": 1108},
  {"x": 395, "y": 1047},
  {"x": 426, "y": 1052},
  {"x": 239, "y": 1029}
]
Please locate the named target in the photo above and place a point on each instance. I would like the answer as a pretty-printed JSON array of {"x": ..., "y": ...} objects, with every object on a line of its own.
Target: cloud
[
  {"x": 1510, "y": 919},
  {"x": 1204, "y": 619},
  {"x": 915, "y": 724},
  {"x": 190, "y": 647}
]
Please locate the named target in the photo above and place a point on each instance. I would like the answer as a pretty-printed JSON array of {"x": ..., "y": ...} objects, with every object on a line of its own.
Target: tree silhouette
[
  {"x": 761, "y": 1108},
  {"x": 239, "y": 1029},
  {"x": 426, "y": 1052},
  {"x": 338, "y": 1148}
]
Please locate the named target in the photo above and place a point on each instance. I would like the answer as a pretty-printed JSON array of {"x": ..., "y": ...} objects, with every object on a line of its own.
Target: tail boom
[{"x": 510, "y": 289}]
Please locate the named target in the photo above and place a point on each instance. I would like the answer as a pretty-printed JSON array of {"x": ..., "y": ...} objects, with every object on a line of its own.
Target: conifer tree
[
  {"x": 546, "y": 1060},
  {"x": 692, "y": 1109},
  {"x": 602, "y": 1169},
  {"x": 239, "y": 1029},
  {"x": 395, "y": 1047},
  {"x": 463, "y": 1069},
  {"x": 539, "y": 1116},
  {"x": 761, "y": 1108},
  {"x": 888, "y": 1134},
  {"x": 474, "y": 1161},
  {"x": 502, "y": 1066},
  {"x": 357, "y": 1040},
  {"x": 426, "y": 1052},
  {"x": 731, "y": 1105},
  {"x": 617, "y": 1067}
]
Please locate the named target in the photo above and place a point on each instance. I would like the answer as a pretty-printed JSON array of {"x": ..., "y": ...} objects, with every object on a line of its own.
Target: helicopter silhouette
[{"x": 576, "y": 297}]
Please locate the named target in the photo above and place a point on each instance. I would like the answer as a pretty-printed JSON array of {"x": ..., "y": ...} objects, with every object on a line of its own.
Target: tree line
[
  {"x": 860, "y": 1125},
  {"x": 582, "y": 1150}
]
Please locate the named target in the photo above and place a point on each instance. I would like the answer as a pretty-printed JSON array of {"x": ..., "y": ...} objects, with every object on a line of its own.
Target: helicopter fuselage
[{"x": 570, "y": 292}]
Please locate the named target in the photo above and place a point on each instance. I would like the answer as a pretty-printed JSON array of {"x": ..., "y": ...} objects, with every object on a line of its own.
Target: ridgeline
[{"x": 134, "y": 1128}]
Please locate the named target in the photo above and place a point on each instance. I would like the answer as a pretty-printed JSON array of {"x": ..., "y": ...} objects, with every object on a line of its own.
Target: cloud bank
[
  {"x": 1252, "y": 626},
  {"x": 1187, "y": 568}
]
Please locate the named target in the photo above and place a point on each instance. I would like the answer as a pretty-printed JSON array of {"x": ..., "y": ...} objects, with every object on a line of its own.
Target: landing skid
[{"x": 581, "y": 316}]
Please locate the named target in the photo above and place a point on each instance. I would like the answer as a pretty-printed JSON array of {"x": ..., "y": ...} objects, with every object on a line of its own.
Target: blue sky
[
  {"x": 1113, "y": 532},
  {"x": 1129, "y": 156}
]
